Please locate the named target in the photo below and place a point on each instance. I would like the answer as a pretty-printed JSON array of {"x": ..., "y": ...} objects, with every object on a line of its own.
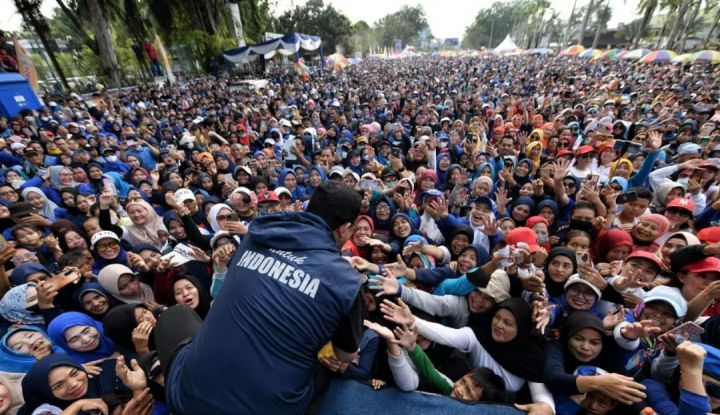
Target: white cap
[
  {"x": 285, "y": 123},
  {"x": 368, "y": 176},
  {"x": 576, "y": 279},
  {"x": 243, "y": 190},
  {"x": 337, "y": 170},
  {"x": 669, "y": 295},
  {"x": 270, "y": 141},
  {"x": 181, "y": 195},
  {"x": 280, "y": 190},
  {"x": 103, "y": 235},
  {"x": 221, "y": 234},
  {"x": 347, "y": 172}
]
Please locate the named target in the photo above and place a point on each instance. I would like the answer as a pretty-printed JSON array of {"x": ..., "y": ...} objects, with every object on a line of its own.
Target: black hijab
[
  {"x": 203, "y": 294},
  {"x": 558, "y": 288},
  {"x": 119, "y": 324},
  {"x": 576, "y": 321},
  {"x": 522, "y": 356}
]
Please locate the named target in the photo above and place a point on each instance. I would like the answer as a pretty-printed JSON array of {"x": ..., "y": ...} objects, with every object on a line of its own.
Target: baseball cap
[
  {"x": 576, "y": 279},
  {"x": 368, "y": 176},
  {"x": 269, "y": 142},
  {"x": 282, "y": 190},
  {"x": 355, "y": 176},
  {"x": 710, "y": 235},
  {"x": 564, "y": 153},
  {"x": 336, "y": 170},
  {"x": 649, "y": 256},
  {"x": 103, "y": 235},
  {"x": 682, "y": 203},
  {"x": 584, "y": 150},
  {"x": 432, "y": 193},
  {"x": 268, "y": 197},
  {"x": 670, "y": 296},
  {"x": 246, "y": 169},
  {"x": 709, "y": 264},
  {"x": 221, "y": 234},
  {"x": 689, "y": 148},
  {"x": 181, "y": 195},
  {"x": 498, "y": 286},
  {"x": 525, "y": 235},
  {"x": 483, "y": 200}
]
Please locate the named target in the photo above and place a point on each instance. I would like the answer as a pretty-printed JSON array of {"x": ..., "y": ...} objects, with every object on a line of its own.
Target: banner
[
  {"x": 26, "y": 68},
  {"x": 164, "y": 59}
]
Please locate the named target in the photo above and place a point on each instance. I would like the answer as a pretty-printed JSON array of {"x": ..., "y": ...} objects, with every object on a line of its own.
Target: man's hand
[
  {"x": 613, "y": 318},
  {"x": 141, "y": 404},
  {"x": 691, "y": 356},
  {"x": 398, "y": 268}
]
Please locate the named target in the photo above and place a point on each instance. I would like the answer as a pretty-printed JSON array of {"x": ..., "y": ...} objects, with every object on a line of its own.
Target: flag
[
  {"x": 26, "y": 66},
  {"x": 164, "y": 59}
]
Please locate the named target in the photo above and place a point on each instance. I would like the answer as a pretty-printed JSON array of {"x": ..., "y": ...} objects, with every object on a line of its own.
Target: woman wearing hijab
[
  {"x": 288, "y": 180},
  {"x": 520, "y": 210},
  {"x": 39, "y": 201},
  {"x": 560, "y": 264},
  {"x": 15, "y": 305},
  {"x": 664, "y": 194},
  {"x": 316, "y": 177},
  {"x": 505, "y": 344},
  {"x": 648, "y": 229},
  {"x": 122, "y": 283},
  {"x": 189, "y": 291},
  {"x": 145, "y": 222},
  {"x": 21, "y": 347},
  {"x": 29, "y": 272},
  {"x": 361, "y": 240},
  {"x": 120, "y": 323},
  {"x": 401, "y": 227},
  {"x": 675, "y": 242},
  {"x": 612, "y": 245},
  {"x": 107, "y": 250},
  {"x": 81, "y": 337},
  {"x": 11, "y": 398},
  {"x": 94, "y": 300},
  {"x": 381, "y": 212},
  {"x": 62, "y": 383},
  {"x": 218, "y": 215},
  {"x": 61, "y": 176}
]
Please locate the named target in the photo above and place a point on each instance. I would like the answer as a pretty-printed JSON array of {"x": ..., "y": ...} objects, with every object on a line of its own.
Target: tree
[
  {"x": 33, "y": 18},
  {"x": 680, "y": 15},
  {"x": 647, "y": 8},
  {"x": 602, "y": 15},
  {"x": 104, "y": 39},
  {"x": 317, "y": 18},
  {"x": 586, "y": 20},
  {"x": 716, "y": 20},
  {"x": 405, "y": 25},
  {"x": 500, "y": 16}
]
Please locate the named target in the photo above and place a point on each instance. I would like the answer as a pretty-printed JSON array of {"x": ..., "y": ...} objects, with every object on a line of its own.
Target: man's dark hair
[
  {"x": 641, "y": 193},
  {"x": 493, "y": 386},
  {"x": 72, "y": 258},
  {"x": 584, "y": 204},
  {"x": 336, "y": 203}
]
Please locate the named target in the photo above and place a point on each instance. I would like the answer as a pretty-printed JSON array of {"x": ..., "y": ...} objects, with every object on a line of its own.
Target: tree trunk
[
  {"x": 712, "y": 29},
  {"x": 677, "y": 24},
  {"x": 647, "y": 16},
  {"x": 237, "y": 24},
  {"x": 106, "y": 47},
  {"x": 586, "y": 19},
  {"x": 689, "y": 25},
  {"x": 662, "y": 33},
  {"x": 566, "y": 35},
  {"x": 599, "y": 24},
  {"x": 78, "y": 26}
]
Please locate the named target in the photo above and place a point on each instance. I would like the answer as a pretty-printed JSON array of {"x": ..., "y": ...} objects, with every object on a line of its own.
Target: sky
[{"x": 447, "y": 18}]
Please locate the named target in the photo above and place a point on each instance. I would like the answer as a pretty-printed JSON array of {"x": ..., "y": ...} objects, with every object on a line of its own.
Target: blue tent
[{"x": 16, "y": 94}]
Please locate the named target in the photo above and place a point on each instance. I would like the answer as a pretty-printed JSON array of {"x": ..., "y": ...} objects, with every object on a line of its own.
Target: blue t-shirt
[{"x": 285, "y": 295}]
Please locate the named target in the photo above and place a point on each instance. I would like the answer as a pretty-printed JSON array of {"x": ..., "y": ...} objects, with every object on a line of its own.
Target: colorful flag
[
  {"x": 164, "y": 58},
  {"x": 26, "y": 68}
]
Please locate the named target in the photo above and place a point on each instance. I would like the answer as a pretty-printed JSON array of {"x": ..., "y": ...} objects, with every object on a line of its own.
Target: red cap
[
  {"x": 710, "y": 235},
  {"x": 534, "y": 220},
  {"x": 523, "y": 234},
  {"x": 647, "y": 256},
  {"x": 607, "y": 145},
  {"x": 267, "y": 197},
  {"x": 564, "y": 153},
  {"x": 585, "y": 150},
  {"x": 708, "y": 264},
  {"x": 708, "y": 165},
  {"x": 682, "y": 203}
]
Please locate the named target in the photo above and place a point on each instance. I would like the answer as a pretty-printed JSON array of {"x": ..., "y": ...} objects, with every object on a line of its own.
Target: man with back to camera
[{"x": 288, "y": 291}]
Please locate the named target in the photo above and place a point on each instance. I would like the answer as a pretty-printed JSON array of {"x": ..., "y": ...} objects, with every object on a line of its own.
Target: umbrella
[
  {"x": 661, "y": 55},
  {"x": 590, "y": 53},
  {"x": 337, "y": 61},
  {"x": 572, "y": 50},
  {"x": 705, "y": 56},
  {"x": 636, "y": 54},
  {"x": 682, "y": 58},
  {"x": 611, "y": 54},
  {"x": 541, "y": 51}
]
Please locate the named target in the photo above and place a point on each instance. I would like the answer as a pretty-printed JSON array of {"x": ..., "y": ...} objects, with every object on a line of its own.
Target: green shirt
[{"x": 427, "y": 371}]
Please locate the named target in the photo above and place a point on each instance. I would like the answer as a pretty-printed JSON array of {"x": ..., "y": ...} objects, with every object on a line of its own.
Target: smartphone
[
  {"x": 583, "y": 259},
  {"x": 233, "y": 218},
  {"x": 591, "y": 181},
  {"x": 396, "y": 152},
  {"x": 633, "y": 148},
  {"x": 368, "y": 185},
  {"x": 66, "y": 278},
  {"x": 689, "y": 330},
  {"x": 626, "y": 198},
  {"x": 505, "y": 252}
]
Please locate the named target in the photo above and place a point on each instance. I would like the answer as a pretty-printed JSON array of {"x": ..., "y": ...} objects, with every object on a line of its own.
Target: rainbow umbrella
[
  {"x": 636, "y": 54},
  {"x": 611, "y": 54},
  {"x": 705, "y": 56},
  {"x": 662, "y": 55},
  {"x": 590, "y": 53},
  {"x": 337, "y": 61},
  {"x": 572, "y": 50},
  {"x": 682, "y": 58}
]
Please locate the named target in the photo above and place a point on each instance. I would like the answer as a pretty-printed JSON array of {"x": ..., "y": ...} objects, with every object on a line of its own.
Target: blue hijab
[
  {"x": 93, "y": 286},
  {"x": 121, "y": 186},
  {"x": 299, "y": 190},
  {"x": 13, "y": 306},
  {"x": 323, "y": 178},
  {"x": 57, "y": 328},
  {"x": 15, "y": 362},
  {"x": 482, "y": 166},
  {"x": 23, "y": 271}
]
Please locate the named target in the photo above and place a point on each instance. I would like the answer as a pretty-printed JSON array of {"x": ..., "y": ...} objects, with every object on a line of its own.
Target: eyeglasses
[
  {"x": 588, "y": 295},
  {"x": 382, "y": 208},
  {"x": 24, "y": 257},
  {"x": 245, "y": 199},
  {"x": 7, "y": 193},
  {"x": 569, "y": 184},
  {"x": 223, "y": 217},
  {"x": 106, "y": 245},
  {"x": 563, "y": 144}
]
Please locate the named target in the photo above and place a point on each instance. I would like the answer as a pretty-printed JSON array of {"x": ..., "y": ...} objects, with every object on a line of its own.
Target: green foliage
[
  {"x": 320, "y": 19},
  {"x": 404, "y": 24},
  {"x": 501, "y": 17}
]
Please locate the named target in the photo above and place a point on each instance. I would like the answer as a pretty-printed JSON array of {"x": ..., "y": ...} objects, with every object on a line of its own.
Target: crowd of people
[{"x": 542, "y": 232}]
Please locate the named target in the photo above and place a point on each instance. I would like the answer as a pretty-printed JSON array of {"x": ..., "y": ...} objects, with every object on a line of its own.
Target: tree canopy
[{"x": 317, "y": 18}]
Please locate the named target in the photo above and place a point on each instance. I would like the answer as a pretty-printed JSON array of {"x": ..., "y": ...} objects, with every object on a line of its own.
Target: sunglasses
[
  {"x": 563, "y": 144},
  {"x": 223, "y": 217},
  {"x": 678, "y": 211},
  {"x": 569, "y": 184},
  {"x": 585, "y": 156}
]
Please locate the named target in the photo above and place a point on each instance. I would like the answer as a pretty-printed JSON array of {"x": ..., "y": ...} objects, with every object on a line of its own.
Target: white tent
[{"x": 506, "y": 46}]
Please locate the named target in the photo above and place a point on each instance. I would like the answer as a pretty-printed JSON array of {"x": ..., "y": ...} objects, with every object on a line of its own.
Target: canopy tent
[
  {"x": 289, "y": 44},
  {"x": 506, "y": 46}
]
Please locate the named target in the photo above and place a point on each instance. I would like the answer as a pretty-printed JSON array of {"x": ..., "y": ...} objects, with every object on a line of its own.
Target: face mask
[
  {"x": 111, "y": 159},
  {"x": 542, "y": 239},
  {"x": 344, "y": 154},
  {"x": 390, "y": 185},
  {"x": 683, "y": 181}
]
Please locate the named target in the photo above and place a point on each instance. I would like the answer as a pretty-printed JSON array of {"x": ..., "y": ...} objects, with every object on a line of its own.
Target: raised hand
[
  {"x": 134, "y": 378},
  {"x": 613, "y": 318},
  {"x": 639, "y": 329},
  {"x": 387, "y": 285},
  {"x": 141, "y": 337},
  {"x": 542, "y": 313},
  {"x": 397, "y": 313},
  {"x": 407, "y": 336},
  {"x": 413, "y": 247},
  {"x": 562, "y": 167},
  {"x": 398, "y": 268},
  {"x": 382, "y": 331},
  {"x": 141, "y": 404},
  {"x": 501, "y": 198}
]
